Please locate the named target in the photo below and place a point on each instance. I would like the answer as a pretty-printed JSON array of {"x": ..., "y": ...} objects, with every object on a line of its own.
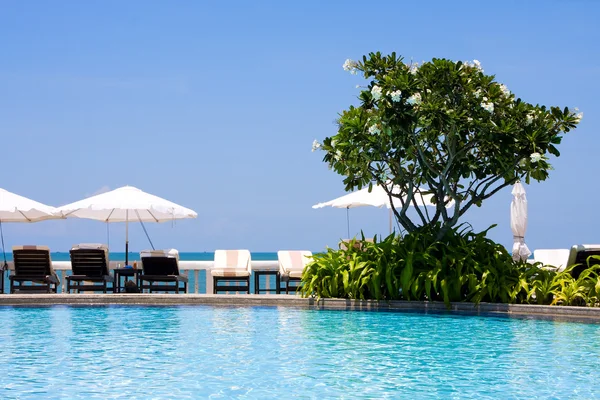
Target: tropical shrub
[{"x": 461, "y": 266}]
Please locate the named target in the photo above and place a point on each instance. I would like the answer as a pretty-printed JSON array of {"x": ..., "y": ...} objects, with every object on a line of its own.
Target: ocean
[{"x": 135, "y": 256}]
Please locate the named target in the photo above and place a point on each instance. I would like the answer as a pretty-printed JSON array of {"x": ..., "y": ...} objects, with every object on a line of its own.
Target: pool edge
[{"x": 517, "y": 310}]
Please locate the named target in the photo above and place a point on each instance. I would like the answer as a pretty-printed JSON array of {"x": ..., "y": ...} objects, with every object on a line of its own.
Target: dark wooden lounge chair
[
  {"x": 579, "y": 254},
  {"x": 33, "y": 265},
  {"x": 162, "y": 267},
  {"x": 90, "y": 268},
  {"x": 231, "y": 271}
]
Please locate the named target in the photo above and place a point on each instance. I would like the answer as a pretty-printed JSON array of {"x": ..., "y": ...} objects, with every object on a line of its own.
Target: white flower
[
  {"x": 413, "y": 68},
  {"x": 477, "y": 93},
  {"x": 350, "y": 65},
  {"x": 338, "y": 155},
  {"x": 535, "y": 157},
  {"x": 489, "y": 107},
  {"x": 576, "y": 114},
  {"x": 504, "y": 89},
  {"x": 332, "y": 143},
  {"x": 469, "y": 119},
  {"x": 477, "y": 65},
  {"x": 376, "y": 92},
  {"x": 414, "y": 99},
  {"x": 396, "y": 95},
  {"x": 523, "y": 162},
  {"x": 316, "y": 145},
  {"x": 529, "y": 118},
  {"x": 374, "y": 130},
  {"x": 485, "y": 99}
]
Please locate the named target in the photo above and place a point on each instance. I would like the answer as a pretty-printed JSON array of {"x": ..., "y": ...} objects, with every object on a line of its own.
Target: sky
[{"x": 214, "y": 105}]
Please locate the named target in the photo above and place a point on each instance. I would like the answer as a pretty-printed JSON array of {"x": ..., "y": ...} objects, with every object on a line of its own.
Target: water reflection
[{"x": 265, "y": 352}]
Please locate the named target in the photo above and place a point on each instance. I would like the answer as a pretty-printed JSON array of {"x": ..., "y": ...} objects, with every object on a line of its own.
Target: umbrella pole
[
  {"x": 126, "y": 237},
  {"x": 348, "y": 220},
  {"x": 5, "y": 265}
]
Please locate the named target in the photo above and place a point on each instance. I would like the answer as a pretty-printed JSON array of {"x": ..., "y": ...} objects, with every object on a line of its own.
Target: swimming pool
[{"x": 267, "y": 352}]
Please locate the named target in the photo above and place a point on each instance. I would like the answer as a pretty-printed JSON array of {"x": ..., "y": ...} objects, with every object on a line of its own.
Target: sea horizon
[{"x": 183, "y": 256}]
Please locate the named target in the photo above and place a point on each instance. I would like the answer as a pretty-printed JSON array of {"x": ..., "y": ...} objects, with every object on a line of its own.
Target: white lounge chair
[
  {"x": 554, "y": 259},
  {"x": 291, "y": 267},
  {"x": 231, "y": 266}
]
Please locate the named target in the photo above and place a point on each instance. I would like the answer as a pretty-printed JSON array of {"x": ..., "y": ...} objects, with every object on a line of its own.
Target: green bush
[{"x": 462, "y": 266}]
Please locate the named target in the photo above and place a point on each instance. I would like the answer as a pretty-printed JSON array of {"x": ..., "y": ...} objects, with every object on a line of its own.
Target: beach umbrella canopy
[
  {"x": 126, "y": 204},
  {"x": 518, "y": 222},
  {"x": 15, "y": 208},
  {"x": 377, "y": 197}
]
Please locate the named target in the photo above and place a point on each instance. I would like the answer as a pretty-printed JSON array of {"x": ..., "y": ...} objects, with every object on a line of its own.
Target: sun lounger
[
  {"x": 291, "y": 266},
  {"x": 554, "y": 259},
  {"x": 89, "y": 266},
  {"x": 579, "y": 255},
  {"x": 162, "y": 266},
  {"x": 358, "y": 243},
  {"x": 33, "y": 265},
  {"x": 232, "y": 269}
]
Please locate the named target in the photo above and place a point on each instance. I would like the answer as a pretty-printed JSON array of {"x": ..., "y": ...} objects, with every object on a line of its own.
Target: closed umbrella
[
  {"x": 518, "y": 222},
  {"x": 15, "y": 208},
  {"x": 126, "y": 204},
  {"x": 377, "y": 197}
]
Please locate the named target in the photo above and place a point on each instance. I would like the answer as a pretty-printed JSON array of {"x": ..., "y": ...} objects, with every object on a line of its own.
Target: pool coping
[{"x": 273, "y": 300}]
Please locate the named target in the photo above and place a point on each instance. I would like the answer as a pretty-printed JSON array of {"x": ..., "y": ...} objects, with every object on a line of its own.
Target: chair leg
[
  {"x": 248, "y": 285},
  {"x": 215, "y": 283}
]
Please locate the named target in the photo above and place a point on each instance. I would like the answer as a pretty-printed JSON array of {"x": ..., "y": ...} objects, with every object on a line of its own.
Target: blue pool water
[{"x": 201, "y": 352}]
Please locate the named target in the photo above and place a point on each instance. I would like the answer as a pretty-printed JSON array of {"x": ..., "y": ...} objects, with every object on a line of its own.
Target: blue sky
[{"x": 214, "y": 105}]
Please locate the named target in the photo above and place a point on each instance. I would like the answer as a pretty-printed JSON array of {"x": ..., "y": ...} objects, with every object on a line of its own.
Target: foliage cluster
[
  {"x": 443, "y": 128},
  {"x": 463, "y": 266}
]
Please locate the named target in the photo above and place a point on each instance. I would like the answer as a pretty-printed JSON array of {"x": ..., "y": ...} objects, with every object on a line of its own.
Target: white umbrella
[
  {"x": 15, "y": 208},
  {"x": 518, "y": 222},
  {"x": 125, "y": 204},
  {"x": 377, "y": 197}
]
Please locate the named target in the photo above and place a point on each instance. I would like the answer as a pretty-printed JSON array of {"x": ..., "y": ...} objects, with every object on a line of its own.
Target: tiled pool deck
[{"x": 586, "y": 314}]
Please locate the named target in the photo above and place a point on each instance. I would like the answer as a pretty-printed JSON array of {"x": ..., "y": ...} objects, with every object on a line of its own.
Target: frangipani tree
[{"x": 445, "y": 126}]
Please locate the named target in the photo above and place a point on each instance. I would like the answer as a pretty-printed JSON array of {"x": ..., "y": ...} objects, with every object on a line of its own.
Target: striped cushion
[
  {"x": 229, "y": 272},
  {"x": 169, "y": 253},
  {"x": 292, "y": 263},
  {"x": 92, "y": 246},
  {"x": 31, "y": 247},
  {"x": 295, "y": 274},
  {"x": 231, "y": 263},
  {"x": 358, "y": 244}
]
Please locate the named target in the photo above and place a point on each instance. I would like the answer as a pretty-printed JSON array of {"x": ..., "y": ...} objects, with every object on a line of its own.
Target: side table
[
  {"x": 258, "y": 274},
  {"x": 125, "y": 273}
]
